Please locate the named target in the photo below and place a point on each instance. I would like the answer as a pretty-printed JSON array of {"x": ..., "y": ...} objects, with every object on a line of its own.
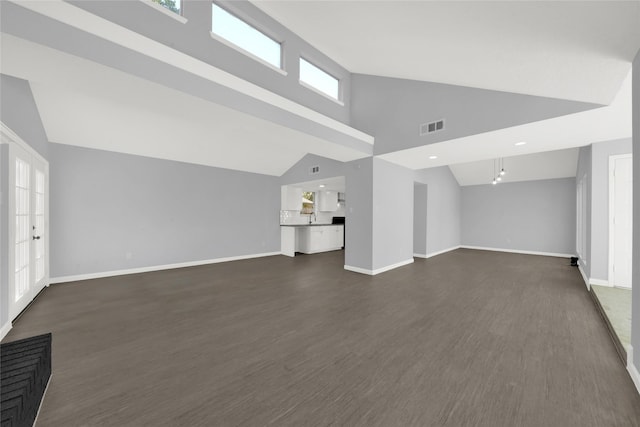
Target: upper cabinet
[
  {"x": 290, "y": 198},
  {"x": 328, "y": 201}
]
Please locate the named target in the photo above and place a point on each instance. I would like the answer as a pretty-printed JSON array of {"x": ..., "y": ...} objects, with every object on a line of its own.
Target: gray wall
[
  {"x": 585, "y": 169},
  {"x": 392, "y": 110},
  {"x": 420, "y": 194},
  {"x": 529, "y": 216},
  {"x": 380, "y": 211},
  {"x": 392, "y": 214},
  {"x": 193, "y": 38},
  {"x": 359, "y": 216},
  {"x": 300, "y": 171},
  {"x": 635, "y": 307},
  {"x": 18, "y": 110},
  {"x": 600, "y": 153},
  {"x": 114, "y": 211},
  {"x": 443, "y": 208}
]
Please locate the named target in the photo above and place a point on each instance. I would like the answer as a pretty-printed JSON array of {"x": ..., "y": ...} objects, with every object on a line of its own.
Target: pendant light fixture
[
  {"x": 495, "y": 181},
  {"x": 498, "y": 170}
]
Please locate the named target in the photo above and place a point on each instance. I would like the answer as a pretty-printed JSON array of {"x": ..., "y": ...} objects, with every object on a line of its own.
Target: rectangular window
[
  {"x": 172, "y": 5},
  {"x": 308, "y": 200},
  {"x": 319, "y": 79},
  {"x": 243, "y": 35}
]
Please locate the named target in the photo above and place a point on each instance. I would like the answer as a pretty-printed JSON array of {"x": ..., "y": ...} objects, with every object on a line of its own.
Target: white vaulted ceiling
[
  {"x": 86, "y": 104},
  {"x": 576, "y": 50},
  {"x": 572, "y": 130},
  {"x": 567, "y": 50}
]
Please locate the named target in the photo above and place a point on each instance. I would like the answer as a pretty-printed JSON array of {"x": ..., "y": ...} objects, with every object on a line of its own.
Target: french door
[{"x": 28, "y": 226}]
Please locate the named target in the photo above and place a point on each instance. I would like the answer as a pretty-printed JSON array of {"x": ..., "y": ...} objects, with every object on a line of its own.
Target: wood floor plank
[{"x": 467, "y": 338}]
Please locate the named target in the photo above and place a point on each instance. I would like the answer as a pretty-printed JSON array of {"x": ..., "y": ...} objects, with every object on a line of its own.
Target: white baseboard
[
  {"x": 337, "y": 248},
  {"x": 378, "y": 270},
  {"x": 5, "y": 330},
  {"x": 516, "y": 251},
  {"x": 631, "y": 368},
  {"x": 600, "y": 282},
  {"x": 584, "y": 276},
  {"x": 393, "y": 266},
  {"x": 358, "y": 270},
  {"x": 432, "y": 254},
  {"x": 75, "y": 278}
]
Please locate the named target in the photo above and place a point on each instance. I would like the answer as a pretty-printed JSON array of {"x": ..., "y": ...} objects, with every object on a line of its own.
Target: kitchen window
[
  {"x": 227, "y": 27},
  {"x": 308, "y": 201}
]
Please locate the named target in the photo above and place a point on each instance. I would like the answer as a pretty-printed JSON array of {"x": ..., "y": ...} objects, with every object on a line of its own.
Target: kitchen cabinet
[
  {"x": 290, "y": 198},
  {"x": 328, "y": 201},
  {"x": 288, "y": 241},
  {"x": 320, "y": 238},
  {"x": 339, "y": 236},
  {"x": 311, "y": 239}
]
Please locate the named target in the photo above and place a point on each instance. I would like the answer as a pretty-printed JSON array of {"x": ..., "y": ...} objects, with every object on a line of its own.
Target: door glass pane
[
  {"x": 39, "y": 226},
  {"x": 22, "y": 229}
]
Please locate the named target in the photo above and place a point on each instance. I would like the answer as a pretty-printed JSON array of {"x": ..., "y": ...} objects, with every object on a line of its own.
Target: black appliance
[{"x": 341, "y": 220}]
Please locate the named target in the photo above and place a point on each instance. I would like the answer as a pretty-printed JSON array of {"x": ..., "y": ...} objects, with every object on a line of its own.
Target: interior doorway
[{"x": 620, "y": 220}]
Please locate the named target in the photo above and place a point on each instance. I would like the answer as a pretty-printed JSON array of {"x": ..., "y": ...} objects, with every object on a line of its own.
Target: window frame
[
  {"x": 244, "y": 51},
  {"x": 177, "y": 16},
  {"x": 339, "y": 100}
]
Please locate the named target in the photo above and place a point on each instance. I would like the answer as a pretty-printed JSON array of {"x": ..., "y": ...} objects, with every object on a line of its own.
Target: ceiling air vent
[
  {"x": 426, "y": 128},
  {"x": 314, "y": 170}
]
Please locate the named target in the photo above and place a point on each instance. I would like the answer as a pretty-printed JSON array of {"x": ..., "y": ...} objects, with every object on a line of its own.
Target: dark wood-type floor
[{"x": 468, "y": 338}]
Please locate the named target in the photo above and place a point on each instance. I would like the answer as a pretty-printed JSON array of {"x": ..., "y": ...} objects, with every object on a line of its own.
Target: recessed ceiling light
[
  {"x": 433, "y": 157},
  {"x": 521, "y": 143},
  {"x": 322, "y": 185}
]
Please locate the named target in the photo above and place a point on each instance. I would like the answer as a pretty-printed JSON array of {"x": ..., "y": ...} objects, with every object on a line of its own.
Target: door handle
[{"x": 36, "y": 237}]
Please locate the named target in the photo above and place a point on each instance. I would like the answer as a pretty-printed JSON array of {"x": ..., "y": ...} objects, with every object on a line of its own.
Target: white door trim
[
  {"x": 581, "y": 211},
  {"x": 8, "y": 136},
  {"x": 612, "y": 160},
  {"x": 15, "y": 143}
]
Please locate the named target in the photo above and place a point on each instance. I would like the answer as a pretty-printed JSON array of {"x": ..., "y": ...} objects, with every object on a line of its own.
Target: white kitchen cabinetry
[
  {"x": 328, "y": 201},
  {"x": 339, "y": 235},
  {"x": 288, "y": 241},
  {"x": 320, "y": 238},
  {"x": 290, "y": 198}
]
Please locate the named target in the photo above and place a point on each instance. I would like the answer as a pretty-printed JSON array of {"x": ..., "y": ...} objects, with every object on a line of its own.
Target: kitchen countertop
[{"x": 311, "y": 225}]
